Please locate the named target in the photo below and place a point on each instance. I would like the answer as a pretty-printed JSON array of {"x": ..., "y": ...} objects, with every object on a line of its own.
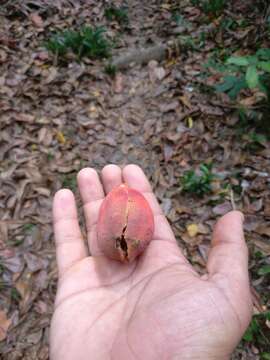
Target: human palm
[{"x": 157, "y": 307}]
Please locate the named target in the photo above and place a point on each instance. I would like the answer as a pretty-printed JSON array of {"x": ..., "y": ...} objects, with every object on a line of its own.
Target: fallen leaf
[
  {"x": 60, "y": 137},
  {"x": 164, "y": 108},
  {"x": 4, "y": 325},
  {"x": 185, "y": 101},
  {"x": 43, "y": 191},
  {"x": 168, "y": 151},
  {"x": 118, "y": 83},
  {"x": 203, "y": 229},
  {"x": 264, "y": 246},
  {"x": 22, "y": 287},
  {"x": 51, "y": 75},
  {"x": 222, "y": 209},
  {"x": 211, "y": 110},
  {"x": 192, "y": 230},
  {"x": 37, "y": 20},
  {"x": 263, "y": 229},
  {"x": 190, "y": 122},
  {"x": 159, "y": 73}
]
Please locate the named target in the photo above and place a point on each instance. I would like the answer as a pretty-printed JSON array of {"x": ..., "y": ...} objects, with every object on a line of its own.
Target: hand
[{"x": 158, "y": 307}]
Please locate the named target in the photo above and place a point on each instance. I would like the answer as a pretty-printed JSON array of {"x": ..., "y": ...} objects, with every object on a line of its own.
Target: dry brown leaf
[
  {"x": 192, "y": 230},
  {"x": 4, "y": 325},
  {"x": 51, "y": 75},
  {"x": 160, "y": 73},
  {"x": 61, "y": 137},
  {"x": 22, "y": 287},
  {"x": 263, "y": 229},
  {"x": 264, "y": 246},
  {"x": 222, "y": 209},
  {"x": 185, "y": 101},
  {"x": 118, "y": 83},
  {"x": 37, "y": 20}
]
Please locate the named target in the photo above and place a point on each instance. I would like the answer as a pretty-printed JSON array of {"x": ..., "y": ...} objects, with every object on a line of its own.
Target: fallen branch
[
  {"x": 157, "y": 52},
  {"x": 143, "y": 56}
]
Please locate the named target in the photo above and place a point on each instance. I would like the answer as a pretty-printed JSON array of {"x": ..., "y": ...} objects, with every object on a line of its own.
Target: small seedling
[
  {"x": 87, "y": 41},
  {"x": 210, "y": 7},
  {"x": 110, "y": 70},
  {"x": 118, "y": 14},
  {"x": 213, "y": 7},
  {"x": 255, "y": 141},
  {"x": 246, "y": 72},
  {"x": 28, "y": 227},
  {"x": 264, "y": 270},
  {"x": 50, "y": 156},
  {"x": 187, "y": 43},
  {"x": 180, "y": 20},
  {"x": 1, "y": 269},
  {"x": 69, "y": 182},
  {"x": 15, "y": 295},
  {"x": 198, "y": 182},
  {"x": 258, "y": 329}
]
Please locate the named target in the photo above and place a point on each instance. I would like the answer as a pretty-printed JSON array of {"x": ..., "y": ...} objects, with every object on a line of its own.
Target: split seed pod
[{"x": 125, "y": 224}]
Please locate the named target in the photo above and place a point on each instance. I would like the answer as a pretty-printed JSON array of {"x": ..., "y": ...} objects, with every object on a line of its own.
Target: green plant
[
  {"x": 110, "y": 70},
  {"x": 15, "y": 295},
  {"x": 118, "y": 14},
  {"x": 228, "y": 23},
  {"x": 86, "y": 41},
  {"x": 210, "y": 7},
  {"x": 258, "y": 329},
  {"x": 264, "y": 270},
  {"x": 198, "y": 182},
  {"x": 254, "y": 140},
  {"x": 28, "y": 227},
  {"x": 246, "y": 72},
  {"x": 69, "y": 182},
  {"x": 187, "y": 43},
  {"x": 50, "y": 156},
  {"x": 180, "y": 20}
]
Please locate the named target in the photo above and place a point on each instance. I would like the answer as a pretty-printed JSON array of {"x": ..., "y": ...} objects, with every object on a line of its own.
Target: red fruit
[{"x": 125, "y": 224}]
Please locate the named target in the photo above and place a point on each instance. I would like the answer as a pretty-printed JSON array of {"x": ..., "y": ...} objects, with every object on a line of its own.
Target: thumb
[
  {"x": 228, "y": 263},
  {"x": 229, "y": 253}
]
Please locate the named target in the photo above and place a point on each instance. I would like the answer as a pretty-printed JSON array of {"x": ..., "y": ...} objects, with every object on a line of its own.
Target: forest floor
[{"x": 58, "y": 116}]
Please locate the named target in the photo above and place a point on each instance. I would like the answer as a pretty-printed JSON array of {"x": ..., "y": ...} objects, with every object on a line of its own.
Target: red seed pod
[{"x": 125, "y": 224}]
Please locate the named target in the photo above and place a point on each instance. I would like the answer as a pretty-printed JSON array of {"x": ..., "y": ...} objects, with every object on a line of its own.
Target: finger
[
  {"x": 229, "y": 253},
  {"x": 111, "y": 177},
  {"x": 70, "y": 246},
  {"x": 92, "y": 195},
  {"x": 136, "y": 179},
  {"x": 228, "y": 265}
]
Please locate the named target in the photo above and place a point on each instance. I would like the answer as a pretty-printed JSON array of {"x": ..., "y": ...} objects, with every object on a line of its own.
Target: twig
[{"x": 232, "y": 199}]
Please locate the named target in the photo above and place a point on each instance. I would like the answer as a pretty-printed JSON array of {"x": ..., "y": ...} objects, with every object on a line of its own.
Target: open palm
[{"x": 157, "y": 307}]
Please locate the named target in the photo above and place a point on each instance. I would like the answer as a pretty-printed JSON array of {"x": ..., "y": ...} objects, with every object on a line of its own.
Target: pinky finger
[{"x": 70, "y": 246}]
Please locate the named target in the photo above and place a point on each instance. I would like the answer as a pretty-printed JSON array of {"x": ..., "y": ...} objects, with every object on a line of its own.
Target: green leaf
[
  {"x": 248, "y": 336},
  {"x": 252, "y": 77},
  {"x": 264, "y": 270},
  {"x": 240, "y": 61},
  {"x": 264, "y": 65},
  {"x": 232, "y": 85},
  {"x": 262, "y": 87},
  {"x": 266, "y": 356},
  {"x": 264, "y": 54},
  {"x": 239, "y": 85},
  {"x": 228, "y": 83}
]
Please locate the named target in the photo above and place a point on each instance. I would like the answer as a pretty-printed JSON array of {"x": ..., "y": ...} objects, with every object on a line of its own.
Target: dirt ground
[{"x": 58, "y": 118}]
